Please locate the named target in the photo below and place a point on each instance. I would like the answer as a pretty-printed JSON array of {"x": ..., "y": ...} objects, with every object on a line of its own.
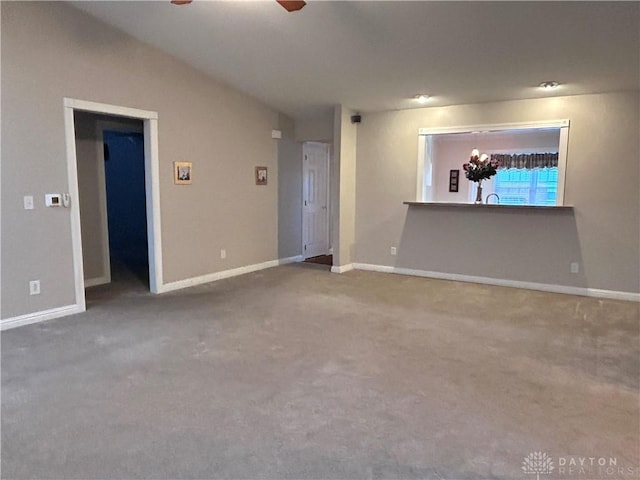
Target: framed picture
[
  {"x": 182, "y": 173},
  {"x": 454, "y": 177},
  {"x": 261, "y": 175}
]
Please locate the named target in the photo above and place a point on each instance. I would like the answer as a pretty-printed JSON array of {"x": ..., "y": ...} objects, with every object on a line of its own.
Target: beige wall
[
  {"x": 603, "y": 178},
  {"x": 289, "y": 192},
  {"x": 343, "y": 186},
  {"x": 51, "y": 51},
  {"x": 90, "y": 190},
  {"x": 315, "y": 129}
]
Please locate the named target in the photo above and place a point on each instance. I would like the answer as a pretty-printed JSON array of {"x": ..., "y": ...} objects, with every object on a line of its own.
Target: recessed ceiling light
[
  {"x": 549, "y": 85},
  {"x": 422, "y": 98}
]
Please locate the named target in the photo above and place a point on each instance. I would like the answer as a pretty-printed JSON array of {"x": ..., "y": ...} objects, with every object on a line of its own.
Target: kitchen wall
[{"x": 603, "y": 174}]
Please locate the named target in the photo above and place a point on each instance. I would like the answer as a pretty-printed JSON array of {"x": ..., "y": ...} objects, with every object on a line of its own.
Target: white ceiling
[{"x": 373, "y": 55}]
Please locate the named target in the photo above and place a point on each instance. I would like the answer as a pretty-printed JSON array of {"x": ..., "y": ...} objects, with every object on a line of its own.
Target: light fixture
[
  {"x": 421, "y": 98},
  {"x": 549, "y": 85}
]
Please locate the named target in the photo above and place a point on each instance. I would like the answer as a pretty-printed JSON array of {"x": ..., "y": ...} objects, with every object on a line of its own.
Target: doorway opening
[
  {"x": 315, "y": 202},
  {"x": 112, "y": 198},
  {"x": 112, "y": 155},
  {"x": 126, "y": 206}
]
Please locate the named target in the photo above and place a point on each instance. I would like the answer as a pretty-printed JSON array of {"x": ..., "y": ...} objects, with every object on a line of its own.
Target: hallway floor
[
  {"x": 294, "y": 372},
  {"x": 321, "y": 260}
]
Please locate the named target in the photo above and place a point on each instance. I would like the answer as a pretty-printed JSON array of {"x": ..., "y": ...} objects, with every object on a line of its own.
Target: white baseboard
[
  {"x": 544, "y": 287},
  {"x": 613, "y": 294},
  {"x": 50, "y": 314},
  {"x": 94, "y": 282},
  {"x": 37, "y": 317},
  {"x": 212, "y": 277},
  {"x": 342, "y": 268}
]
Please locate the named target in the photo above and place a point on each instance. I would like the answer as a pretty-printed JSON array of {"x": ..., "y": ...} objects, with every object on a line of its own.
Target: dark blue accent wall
[{"x": 126, "y": 202}]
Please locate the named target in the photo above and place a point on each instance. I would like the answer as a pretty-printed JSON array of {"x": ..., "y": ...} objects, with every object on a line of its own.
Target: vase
[{"x": 479, "y": 195}]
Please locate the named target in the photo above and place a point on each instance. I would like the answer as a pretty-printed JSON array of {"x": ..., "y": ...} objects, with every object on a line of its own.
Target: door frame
[
  {"x": 152, "y": 188},
  {"x": 328, "y": 186}
]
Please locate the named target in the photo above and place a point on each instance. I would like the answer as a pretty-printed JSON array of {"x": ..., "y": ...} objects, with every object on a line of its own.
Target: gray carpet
[{"x": 295, "y": 372}]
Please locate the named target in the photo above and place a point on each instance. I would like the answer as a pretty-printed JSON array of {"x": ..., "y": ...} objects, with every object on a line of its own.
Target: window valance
[{"x": 526, "y": 160}]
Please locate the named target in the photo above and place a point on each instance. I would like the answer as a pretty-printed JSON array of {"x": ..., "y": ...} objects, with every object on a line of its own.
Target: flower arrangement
[{"x": 479, "y": 167}]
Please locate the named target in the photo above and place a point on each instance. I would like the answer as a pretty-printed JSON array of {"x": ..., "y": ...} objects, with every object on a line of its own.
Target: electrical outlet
[
  {"x": 394, "y": 250},
  {"x": 34, "y": 287},
  {"x": 575, "y": 267},
  {"x": 28, "y": 202},
  {"x": 223, "y": 253}
]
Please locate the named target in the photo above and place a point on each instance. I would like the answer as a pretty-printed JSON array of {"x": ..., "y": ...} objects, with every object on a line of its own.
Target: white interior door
[{"x": 315, "y": 195}]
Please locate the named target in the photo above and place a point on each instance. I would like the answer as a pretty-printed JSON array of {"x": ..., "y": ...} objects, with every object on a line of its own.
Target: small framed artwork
[
  {"x": 454, "y": 177},
  {"x": 261, "y": 175},
  {"x": 182, "y": 173}
]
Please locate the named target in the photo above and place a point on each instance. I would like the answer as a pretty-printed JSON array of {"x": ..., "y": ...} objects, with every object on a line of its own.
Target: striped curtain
[{"x": 525, "y": 160}]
